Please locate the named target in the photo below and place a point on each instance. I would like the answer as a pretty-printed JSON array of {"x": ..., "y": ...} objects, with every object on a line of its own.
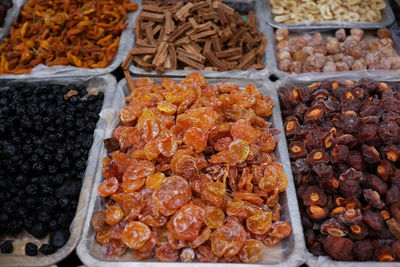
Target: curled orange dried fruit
[
  {"x": 114, "y": 214},
  {"x": 187, "y": 221},
  {"x": 228, "y": 240},
  {"x": 78, "y": 33},
  {"x": 136, "y": 234}
]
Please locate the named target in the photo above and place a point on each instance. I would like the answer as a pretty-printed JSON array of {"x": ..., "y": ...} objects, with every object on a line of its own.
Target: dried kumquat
[{"x": 193, "y": 181}]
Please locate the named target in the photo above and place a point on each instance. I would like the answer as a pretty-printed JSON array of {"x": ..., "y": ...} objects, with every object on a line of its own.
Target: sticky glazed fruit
[
  {"x": 191, "y": 174},
  {"x": 344, "y": 149}
]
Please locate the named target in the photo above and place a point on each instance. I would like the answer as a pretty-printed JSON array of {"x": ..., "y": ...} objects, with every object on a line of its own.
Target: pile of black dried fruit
[
  {"x": 46, "y": 133},
  {"x": 6, "y": 246},
  {"x": 4, "y": 6},
  {"x": 344, "y": 146}
]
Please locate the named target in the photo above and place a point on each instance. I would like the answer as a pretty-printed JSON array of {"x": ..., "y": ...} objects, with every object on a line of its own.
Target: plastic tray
[
  {"x": 325, "y": 261},
  {"x": 107, "y": 85},
  {"x": 310, "y": 76},
  {"x": 387, "y": 19},
  {"x": 125, "y": 44},
  {"x": 289, "y": 253},
  {"x": 243, "y": 5}
]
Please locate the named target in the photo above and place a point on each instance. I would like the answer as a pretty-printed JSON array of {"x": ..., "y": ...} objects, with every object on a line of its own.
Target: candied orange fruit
[{"x": 195, "y": 177}]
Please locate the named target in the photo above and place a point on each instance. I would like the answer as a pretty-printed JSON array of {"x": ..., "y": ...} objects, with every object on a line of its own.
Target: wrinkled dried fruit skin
[
  {"x": 228, "y": 239},
  {"x": 353, "y": 194},
  {"x": 136, "y": 234},
  {"x": 166, "y": 253},
  {"x": 339, "y": 248},
  {"x": 191, "y": 174},
  {"x": 186, "y": 223},
  {"x": 172, "y": 194},
  {"x": 363, "y": 250},
  {"x": 259, "y": 223},
  {"x": 251, "y": 251}
]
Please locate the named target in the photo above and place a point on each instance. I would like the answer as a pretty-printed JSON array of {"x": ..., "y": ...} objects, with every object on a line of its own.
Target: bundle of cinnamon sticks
[{"x": 199, "y": 35}]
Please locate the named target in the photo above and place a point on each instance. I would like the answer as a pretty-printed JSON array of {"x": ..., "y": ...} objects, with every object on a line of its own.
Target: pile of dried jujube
[
  {"x": 311, "y": 11},
  {"x": 344, "y": 147},
  {"x": 191, "y": 174},
  {"x": 196, "y": 35},
  {"x": 84, "y": 34},
  {"x": 311, "y": 53}
]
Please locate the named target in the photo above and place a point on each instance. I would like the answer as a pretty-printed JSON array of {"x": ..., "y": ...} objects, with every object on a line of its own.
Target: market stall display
[
  {"x": 204, "y": 35},
  {"x": 344, "y": 147},
  {"x": 82, "y": 34},
  {"x": 343, "y": 51},
  {"x": 197, "y": 169}
]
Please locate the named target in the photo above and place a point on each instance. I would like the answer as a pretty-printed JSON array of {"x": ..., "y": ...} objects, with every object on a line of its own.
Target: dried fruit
[
  {"x": 191, "y": 174},
  {"x": 339, "y": 248},
  {"x": 135, "y": 234},
  {"x": 47, "y": 33},
  {"x": 334, "y": 54},
  {"x": 353, "y": 193}
]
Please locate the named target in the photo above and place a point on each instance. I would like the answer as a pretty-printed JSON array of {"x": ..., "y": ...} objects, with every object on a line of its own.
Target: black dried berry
[
  {"x": 47, "y": 249},
  {"x": 38, "y": 230},
  {"x": 57, "y": 239},
  {"x": 6, "y": 246},
  {"x": 31, "y": 249}
]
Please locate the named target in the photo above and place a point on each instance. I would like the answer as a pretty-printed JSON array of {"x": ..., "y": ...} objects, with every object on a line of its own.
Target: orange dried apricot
[{"x": 194, "y": 176}]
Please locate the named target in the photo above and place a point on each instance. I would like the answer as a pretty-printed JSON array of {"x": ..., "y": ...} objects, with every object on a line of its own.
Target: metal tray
[
  {"x": 107, "y": 85},
  {"x": 244, "y": 5},
  {"x": 125, "y": 44},
  {"x": 12, "y": 14},
  {"x": 387, "y": 19},
  {"x": 325, "y": 261},
  {"x": 310, "y": 76},
  {"x": 289, "y": 253}
]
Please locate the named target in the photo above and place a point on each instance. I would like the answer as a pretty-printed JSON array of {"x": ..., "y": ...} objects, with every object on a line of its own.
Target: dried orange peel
[{"x": 84, "y": 34}]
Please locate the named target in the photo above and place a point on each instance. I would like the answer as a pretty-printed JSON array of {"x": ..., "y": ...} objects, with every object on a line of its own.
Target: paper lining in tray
[
  {"x": 310, "y": 76},
  {"x": 325, "y": 261},
  {"x": 259, "y": 11},
  {"x": 289, "y": 253},
  {"x": 107, "y": 85},
  {"x": 125, "y": 44},
  {"x": 387, "y": 19}
]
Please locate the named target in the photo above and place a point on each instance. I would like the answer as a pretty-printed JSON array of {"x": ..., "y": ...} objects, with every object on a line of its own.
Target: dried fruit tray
[
  {"x": 107, "y": 85},
  {"x": 325, "y": 261},
  {"x": 242, "y": 6},
  {"x": 126, "y": 39},
  {"x": 289, "y": 253},
  {"x": 387, "y": 19},
  {"x": 310, "y": 76}
]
